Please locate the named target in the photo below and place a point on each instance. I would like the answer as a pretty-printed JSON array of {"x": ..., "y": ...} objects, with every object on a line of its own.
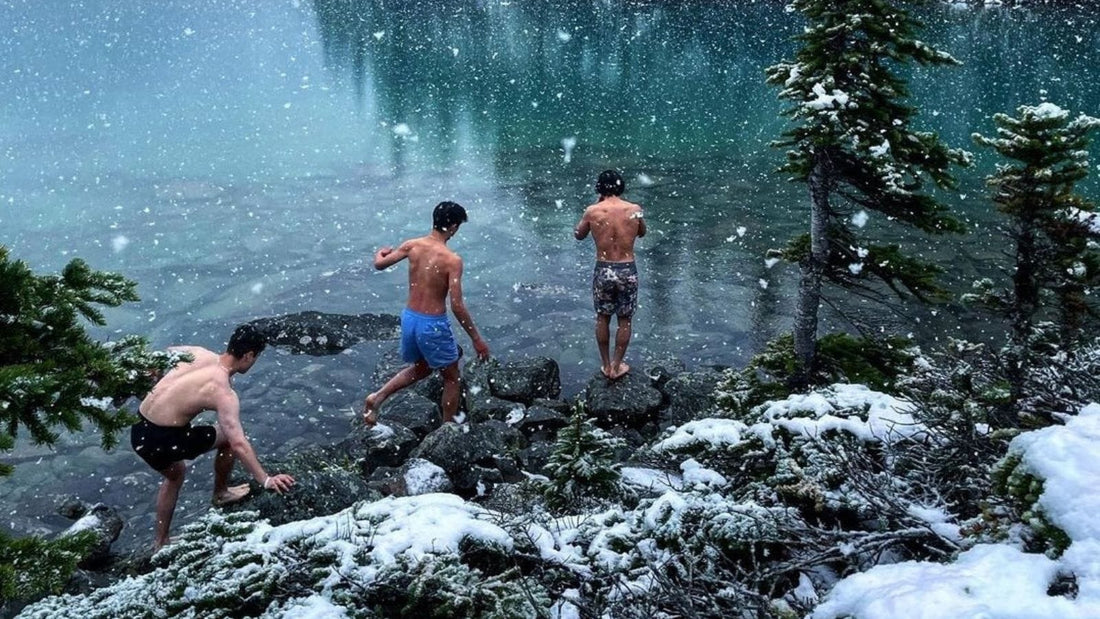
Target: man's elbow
[
  {"x": 577, "y": 234},
  {"x": 378, "y": 266}
]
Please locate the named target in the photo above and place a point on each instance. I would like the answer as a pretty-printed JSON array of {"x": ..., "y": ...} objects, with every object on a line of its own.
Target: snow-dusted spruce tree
[
  {"x": 53, "y": 375},
  {"x": 853, "y": 146},
  {"x": 1056, "y": 265},
  {"x": 582, "y": 466}
]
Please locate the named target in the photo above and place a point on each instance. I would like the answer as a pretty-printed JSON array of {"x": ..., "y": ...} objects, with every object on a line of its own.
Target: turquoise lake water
[{"x": 244, "y": 159}]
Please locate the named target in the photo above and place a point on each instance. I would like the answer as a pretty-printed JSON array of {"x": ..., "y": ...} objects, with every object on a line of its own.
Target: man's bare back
[
  {"x": 435, "y": 273},
  {"x": 187, "y": 390},
  {"x": 615, "y": 225},
  {"x": 431, "y": 268}
]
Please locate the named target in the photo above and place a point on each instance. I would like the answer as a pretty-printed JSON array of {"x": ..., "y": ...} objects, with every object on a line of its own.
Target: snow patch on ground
[{"x": 999, "y": 580}]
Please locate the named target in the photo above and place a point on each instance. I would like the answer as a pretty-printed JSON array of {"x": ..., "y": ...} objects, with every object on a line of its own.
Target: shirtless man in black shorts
[
  {"x": 614, "y": 224},
  {"x": 164, "y": 437}
]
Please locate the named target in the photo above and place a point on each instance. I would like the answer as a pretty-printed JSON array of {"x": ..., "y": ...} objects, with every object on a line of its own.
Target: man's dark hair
[
  {"x": 246, "y": 339},
  {"x": 447, "y": 214},
  {"x": 610, "y": 183}
]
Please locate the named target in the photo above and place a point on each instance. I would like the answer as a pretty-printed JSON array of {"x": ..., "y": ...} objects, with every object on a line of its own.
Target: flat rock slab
[{"x": 317, "y": 333}]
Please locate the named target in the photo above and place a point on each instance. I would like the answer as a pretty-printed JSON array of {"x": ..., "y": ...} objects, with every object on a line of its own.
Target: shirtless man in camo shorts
[{"x": 614, "y": 224}]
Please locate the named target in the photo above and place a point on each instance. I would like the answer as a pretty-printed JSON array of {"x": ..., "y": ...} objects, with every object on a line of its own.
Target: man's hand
[
  {"x": 279, "y": 483},
  {"x": 482, "y": 349},
  {"x": 382, "y": 253}
]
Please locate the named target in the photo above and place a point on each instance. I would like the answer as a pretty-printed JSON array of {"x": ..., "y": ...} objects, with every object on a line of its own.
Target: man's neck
[
  {"x": 442, "y": 237},
  {"x": 225, "y": 362}
]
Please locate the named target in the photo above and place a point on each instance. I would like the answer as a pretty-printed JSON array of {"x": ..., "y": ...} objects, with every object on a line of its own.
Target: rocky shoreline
[{"x": 511, "y": 412}]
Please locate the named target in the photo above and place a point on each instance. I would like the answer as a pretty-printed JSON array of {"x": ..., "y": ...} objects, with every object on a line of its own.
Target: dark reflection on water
[{"x": 244, "y": 159}]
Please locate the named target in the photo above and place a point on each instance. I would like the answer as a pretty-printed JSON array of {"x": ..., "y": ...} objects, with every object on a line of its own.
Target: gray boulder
[
  {"x": 463, "y": 450},
  {"x": 540, "y": 424},
  {"x": 533, "y": 459},
  {"x": 629, "y": 401},
  {"x": 386, "y": 444},
  {"x": 327, "y": 482},
  {"x": 104, "y": 523},
  {"x": 415, "y": 477},
  {"x": 690, "y": 396},
  {"x": 317, "y": 333},
  {"x": 559, "y": 406},
  {"x": 481, "y": 408},
  {"x": 660, "y": 367},
  {"x": 413, "y": 411},
  {"x": 524, "y": 380}
]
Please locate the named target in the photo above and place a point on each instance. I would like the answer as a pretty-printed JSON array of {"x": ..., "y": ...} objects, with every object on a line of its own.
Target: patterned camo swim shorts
[{"x": 615, "y": 288}]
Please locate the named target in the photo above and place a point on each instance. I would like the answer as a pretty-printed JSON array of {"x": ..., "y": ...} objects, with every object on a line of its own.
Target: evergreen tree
[
  {"x": 52, "y": 374},
  {"x": 853, "y": 146},
  {"x": 582, "y": 465},
  {"x": 1053, "y": 228}
]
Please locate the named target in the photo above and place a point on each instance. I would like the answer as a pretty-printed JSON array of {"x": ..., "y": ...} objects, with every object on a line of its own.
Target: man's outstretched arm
[
  {"x": 387, "y": 256},
  {"x": 229, "y": 421},
  {"x": 458, "y": 306}
]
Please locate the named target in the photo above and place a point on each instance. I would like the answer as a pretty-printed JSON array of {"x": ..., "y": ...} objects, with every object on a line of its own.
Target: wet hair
[
  {"x": 447, "y": 214},
  {"x": 246, "y": 339},
  {"x": 610, "y": 183}
]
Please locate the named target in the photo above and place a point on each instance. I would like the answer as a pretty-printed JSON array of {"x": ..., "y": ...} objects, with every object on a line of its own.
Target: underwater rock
[{"x": 317, "y": 333}]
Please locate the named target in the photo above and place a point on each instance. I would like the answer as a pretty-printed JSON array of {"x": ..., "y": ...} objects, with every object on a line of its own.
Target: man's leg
[
  {"x": 402, "y": 379},
  {"x": 622, "y": 340},
  {"x": 451, "y": 391},
  {"x": 223, "y": 466},
  {"x": 166, "y": 501},
  {"x": 603, "y": 340}
]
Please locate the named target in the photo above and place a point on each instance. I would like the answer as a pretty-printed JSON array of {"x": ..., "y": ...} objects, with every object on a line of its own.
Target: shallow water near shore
[{"x": 241, "y": 160}]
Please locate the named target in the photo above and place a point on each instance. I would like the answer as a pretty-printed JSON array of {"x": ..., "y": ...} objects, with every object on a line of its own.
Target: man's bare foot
[
  {"x": 620, "y": 371},
  {"x": 606, "y": 371},
  {"x": 231, "y": 494},
  {"x": 158, "y": 545},
  {"x": 370, "y": 410}
]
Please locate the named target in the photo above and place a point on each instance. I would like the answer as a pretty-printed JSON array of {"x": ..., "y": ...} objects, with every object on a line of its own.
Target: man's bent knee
[{"x": 175, "y": 473}]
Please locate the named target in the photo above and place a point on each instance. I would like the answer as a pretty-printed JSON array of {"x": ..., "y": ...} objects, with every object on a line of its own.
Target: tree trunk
[
  {"x": 812, "y": 268},
  {"x": 1025, "y": 304}
]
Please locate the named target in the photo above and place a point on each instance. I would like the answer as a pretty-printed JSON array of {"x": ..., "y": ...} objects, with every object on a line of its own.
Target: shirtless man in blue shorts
[
  {"x": 426, "y": 339},
  {"x": 614, "y": 224}
]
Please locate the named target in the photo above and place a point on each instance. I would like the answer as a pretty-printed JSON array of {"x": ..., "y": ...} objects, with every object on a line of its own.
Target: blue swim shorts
[{"x": 427, "y": 337}]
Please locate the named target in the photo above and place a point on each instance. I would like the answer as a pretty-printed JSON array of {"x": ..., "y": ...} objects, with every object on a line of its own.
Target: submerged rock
[{"x": 317, "y": 333}]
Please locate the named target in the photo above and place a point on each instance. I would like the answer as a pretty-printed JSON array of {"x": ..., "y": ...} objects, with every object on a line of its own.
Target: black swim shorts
[
  {"x": 615, "y": 288},
  {"x": 162, "y": 446}
]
